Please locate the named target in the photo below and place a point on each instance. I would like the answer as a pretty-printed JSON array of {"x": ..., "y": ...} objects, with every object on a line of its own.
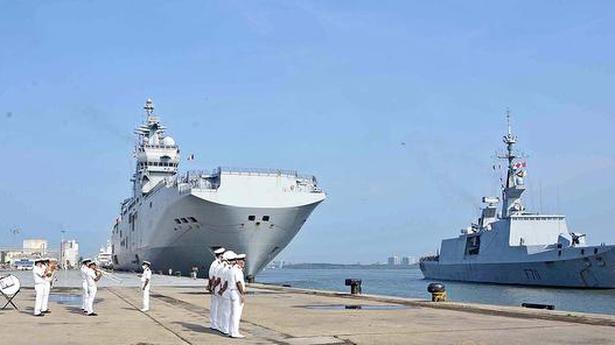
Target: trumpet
[{"x": 110, "y": 276}]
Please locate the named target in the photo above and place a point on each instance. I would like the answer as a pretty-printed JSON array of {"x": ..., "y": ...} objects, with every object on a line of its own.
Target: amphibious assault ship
[
  {"x": 175, "y": 220},
  {"x": 516, "y": 246}
]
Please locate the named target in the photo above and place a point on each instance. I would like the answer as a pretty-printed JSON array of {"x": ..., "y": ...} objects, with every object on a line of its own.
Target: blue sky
[{"x": 330, "y": 88}]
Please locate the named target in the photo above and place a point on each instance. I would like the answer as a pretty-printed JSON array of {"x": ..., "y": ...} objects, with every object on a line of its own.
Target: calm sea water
[{"x": 410, "y": 283}]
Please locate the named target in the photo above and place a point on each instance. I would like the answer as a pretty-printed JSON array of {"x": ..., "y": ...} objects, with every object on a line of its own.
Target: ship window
[
  {"x": 177, "y": 221},
  {"x": 489, "y": 213},
  {"x": 559, "y": 253},
  {"x": 150, "y": 204},
  {"x": 473, "y": 245},
  {"x": 252, "y": 217},
  {"x": 192, "y": 219},
  {"x": 582, "y": 251},
  {"x": 184, "y": 220},
  {"x": 595, "y": 250},
  {"x": 265, "y": 218}
]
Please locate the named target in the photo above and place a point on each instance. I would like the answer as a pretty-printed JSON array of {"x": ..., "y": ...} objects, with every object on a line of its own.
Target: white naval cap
[
  {"x": 145, "y": 262},
  {"x": 240, "y": 257},
  {"x": 229, "y": 255},
  {"x": 219, "y": 251}
]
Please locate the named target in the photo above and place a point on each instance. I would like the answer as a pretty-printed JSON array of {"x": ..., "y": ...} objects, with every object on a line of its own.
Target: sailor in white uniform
[
  {"x": 146, "y": 283},
  {"x": 224, "y": 306},
  {"x": 38, "y": 272},
  {"x": 237, "y": 293},
  {"x": 46, "y": 286},
  {"x": 92, "y": 275},
  {"x": 84, "y": 284},
  {"x": 212, "y": 286}
]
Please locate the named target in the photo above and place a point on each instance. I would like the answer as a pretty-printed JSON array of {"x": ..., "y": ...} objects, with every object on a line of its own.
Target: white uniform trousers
[
  {"x": 224, "y": 312},
  {"x": 91, "y": 296},
  {"x": 84, "y": 297},
  {"x": 146, "y": 298},
  {"x": 44, "y": 306},
  {"x": 235, "y": 315},
  {"x": 38, "y": 304},
  {"x": 213, "y": 311}
]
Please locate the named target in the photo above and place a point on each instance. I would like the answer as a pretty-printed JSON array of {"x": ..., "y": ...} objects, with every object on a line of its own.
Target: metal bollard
[
  {"x": 355, "y": 286},
  {"x": 437, "y": 291}
]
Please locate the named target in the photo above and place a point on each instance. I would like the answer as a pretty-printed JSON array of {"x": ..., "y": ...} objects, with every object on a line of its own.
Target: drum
[{"x": 9, "y": 285}]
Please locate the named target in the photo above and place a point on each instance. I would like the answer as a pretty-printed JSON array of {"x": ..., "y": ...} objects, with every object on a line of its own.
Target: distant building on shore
[
  {"x": 393, "y": 260},
  {"x": 408, "y": 260},
  {"x": 35, "y": 246},
  {"x": 69, "y": 254},
  {"x": 31, "y": 249}
]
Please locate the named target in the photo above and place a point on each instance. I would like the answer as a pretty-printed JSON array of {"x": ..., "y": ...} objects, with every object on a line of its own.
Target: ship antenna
[
  {"x": 508, "y": 121},
  {"x": 510, "y": 140},
  {"x": 149, "y": 107}
]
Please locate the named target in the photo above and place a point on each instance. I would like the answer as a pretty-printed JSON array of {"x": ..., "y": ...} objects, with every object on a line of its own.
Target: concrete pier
[{"x": 275, "y": 315}]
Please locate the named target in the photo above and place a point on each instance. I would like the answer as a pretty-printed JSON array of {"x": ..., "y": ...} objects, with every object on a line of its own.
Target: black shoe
[
  {"x": 39, "y": 315},
  {"x": 92, "y": 314},
  {"x": 46, "y": 311},
  {"x": 85, "y": 311}
]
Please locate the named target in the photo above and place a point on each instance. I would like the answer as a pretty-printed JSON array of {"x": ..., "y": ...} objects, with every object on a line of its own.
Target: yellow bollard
[
  {"x": 438, "y": 296},
  {"x": 437, "y": 291}
]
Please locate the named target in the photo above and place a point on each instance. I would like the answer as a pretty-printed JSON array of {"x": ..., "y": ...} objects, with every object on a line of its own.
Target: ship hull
[
  {"x": 591, "y": 271},
  {"x": 182, "y": 246}
]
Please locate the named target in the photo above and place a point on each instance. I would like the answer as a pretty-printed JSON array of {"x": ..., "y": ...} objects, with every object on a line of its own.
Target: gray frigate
[{"x": 516, "y": 246}]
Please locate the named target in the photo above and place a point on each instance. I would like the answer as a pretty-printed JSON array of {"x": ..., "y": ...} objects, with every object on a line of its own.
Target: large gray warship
[
  {"x": 175, "y": 220},
  {"x": 519, "y": 247}
]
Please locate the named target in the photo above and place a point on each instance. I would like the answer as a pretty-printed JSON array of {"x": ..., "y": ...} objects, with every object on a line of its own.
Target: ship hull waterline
[{"x": 588, "y": 272}]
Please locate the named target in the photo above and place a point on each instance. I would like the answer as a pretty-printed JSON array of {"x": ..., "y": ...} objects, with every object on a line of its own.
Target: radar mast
[{"x": 514, "y": 187}]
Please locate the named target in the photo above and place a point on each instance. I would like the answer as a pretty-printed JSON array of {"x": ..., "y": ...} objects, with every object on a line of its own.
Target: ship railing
[
  {"x": 150, "y": 146},
  {"x": 209, "y": 180},
  {"x": 252, "y": 171},
  {"x": 430, "y": 258},
  {"x": 263, "y": 172}
]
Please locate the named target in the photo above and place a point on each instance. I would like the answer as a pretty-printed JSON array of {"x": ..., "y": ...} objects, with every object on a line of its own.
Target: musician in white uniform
[
  {"x": 146, "y": 283},
  {"x": 38, "y": 272},
  {"x": 213, "y": 283},
  {"x": 237, "y": 292},
  {"x": 92, "y": 275},
  {"x": 224, "y": 306},
  {"x": 84, "y": 285}
]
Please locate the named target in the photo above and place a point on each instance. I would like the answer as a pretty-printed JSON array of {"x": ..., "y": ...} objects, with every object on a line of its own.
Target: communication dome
[{"x": 168, "y": 141}]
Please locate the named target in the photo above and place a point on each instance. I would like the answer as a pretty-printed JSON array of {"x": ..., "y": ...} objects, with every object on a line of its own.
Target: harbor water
[{"x": 410, "y": 283}]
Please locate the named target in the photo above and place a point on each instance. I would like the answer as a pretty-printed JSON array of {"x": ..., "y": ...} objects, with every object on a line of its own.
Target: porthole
[
  {"x": 177, "y": 221},
  {"x": 265, "y": 218},
  {"x": 184, "y": 220},
  {"x": 251, "y": 218}
]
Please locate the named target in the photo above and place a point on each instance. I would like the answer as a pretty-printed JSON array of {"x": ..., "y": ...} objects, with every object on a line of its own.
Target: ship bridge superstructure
[{"x": 157, "y": 154}]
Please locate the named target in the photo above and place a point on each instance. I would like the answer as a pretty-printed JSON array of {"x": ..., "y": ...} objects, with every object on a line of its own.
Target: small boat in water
[{"x": 516, "y": 246}]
